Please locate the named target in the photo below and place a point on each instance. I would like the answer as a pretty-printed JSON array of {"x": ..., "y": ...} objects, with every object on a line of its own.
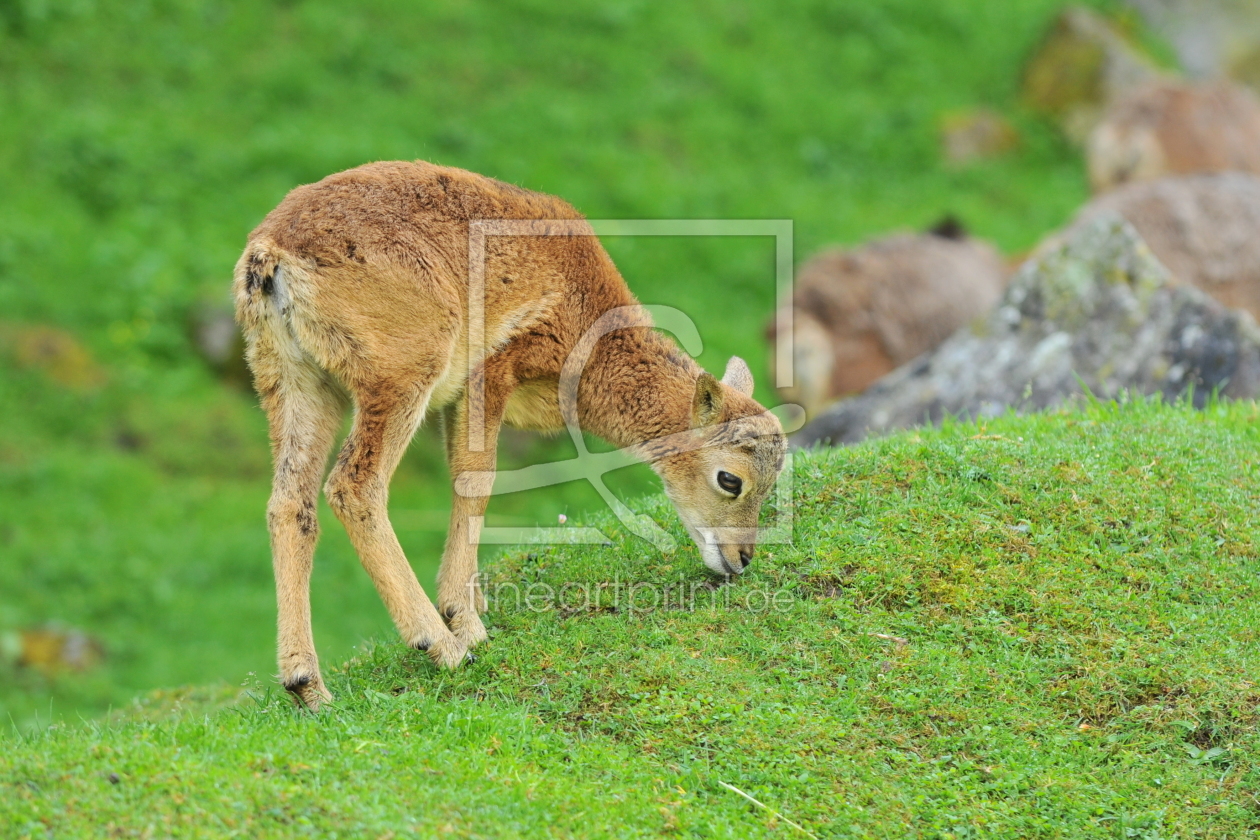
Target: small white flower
[{"x": 563, "y": 519}]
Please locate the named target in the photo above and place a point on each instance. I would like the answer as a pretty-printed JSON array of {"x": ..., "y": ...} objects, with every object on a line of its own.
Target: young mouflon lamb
[{"x": 361, "y": 289}]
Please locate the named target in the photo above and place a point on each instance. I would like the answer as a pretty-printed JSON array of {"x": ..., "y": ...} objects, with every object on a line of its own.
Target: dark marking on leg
[
  {"x": 296, "y": 685},
  {"x": 308, "y": 522}
]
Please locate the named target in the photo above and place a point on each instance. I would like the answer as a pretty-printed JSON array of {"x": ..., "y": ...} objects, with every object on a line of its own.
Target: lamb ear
[
  {"x": 706, "y": 405},
  {"x": 738, "y": 376}
]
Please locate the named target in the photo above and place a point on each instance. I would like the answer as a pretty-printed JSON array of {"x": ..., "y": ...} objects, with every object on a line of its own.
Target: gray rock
[
  {"x": 1083, "y": 64},
  {"x": 1097, "y": 312},
  {"x": 1204, "y": 228},
  {"x": 1210, "y": 37}
]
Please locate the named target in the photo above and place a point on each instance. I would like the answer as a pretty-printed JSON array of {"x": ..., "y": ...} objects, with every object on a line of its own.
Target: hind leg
[
  {"x": 303, "y": 412},
  {"x": 386, "y": 417},
  {"x": 459, "y": 592}
]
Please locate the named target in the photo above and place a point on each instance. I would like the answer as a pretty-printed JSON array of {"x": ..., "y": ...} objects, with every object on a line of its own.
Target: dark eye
[{"x": 731, "y": 484}]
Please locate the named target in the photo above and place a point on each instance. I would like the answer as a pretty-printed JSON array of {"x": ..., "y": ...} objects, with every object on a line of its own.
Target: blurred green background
[{"x": 140, "y": 142}]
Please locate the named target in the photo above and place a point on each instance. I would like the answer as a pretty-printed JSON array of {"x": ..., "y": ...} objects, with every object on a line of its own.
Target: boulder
[
  {"x": 52, "y": 650},
  {"x": 1211, "y": 37},
  {"x": 859, "y": 313},
  {"x": 1080, "y": 67},
  {"x": 1097, "y": 312},
  {"x": 1204, "y": 228},
  {"x": 1175, "y": 128},
  {"x": 978, "y": 134},
  {"x": 58, "y": 354}
]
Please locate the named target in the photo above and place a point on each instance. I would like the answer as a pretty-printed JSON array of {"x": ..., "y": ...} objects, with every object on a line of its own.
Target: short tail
[
  {"x": 263, "y": 310},
  {"x": 254, "y": 283}
]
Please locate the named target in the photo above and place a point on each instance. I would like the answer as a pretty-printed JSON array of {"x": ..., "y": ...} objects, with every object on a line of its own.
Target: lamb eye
[{"x": 731, "y": 484}]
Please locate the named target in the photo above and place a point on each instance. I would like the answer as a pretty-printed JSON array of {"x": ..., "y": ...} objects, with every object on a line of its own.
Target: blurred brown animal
[
  {"x": 858, "y": 314},
  {"x": 1175, "y": 128},
  {"x": 358, "y": 289},
  {"x": 1204, "y": 228}
]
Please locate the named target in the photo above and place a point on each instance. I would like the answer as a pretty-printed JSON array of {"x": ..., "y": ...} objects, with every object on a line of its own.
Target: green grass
[
  {"x": 139, "y": 145},
  {"x": 1036, "y": 627}
]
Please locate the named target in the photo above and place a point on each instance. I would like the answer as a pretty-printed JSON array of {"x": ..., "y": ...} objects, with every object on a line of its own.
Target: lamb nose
[{"x": 745, "y": 556}]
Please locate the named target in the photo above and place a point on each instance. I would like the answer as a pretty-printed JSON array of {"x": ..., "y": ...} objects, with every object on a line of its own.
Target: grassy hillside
[
  {"x": 139, "y": 144},
  {"x": 1040, "y": 627}
]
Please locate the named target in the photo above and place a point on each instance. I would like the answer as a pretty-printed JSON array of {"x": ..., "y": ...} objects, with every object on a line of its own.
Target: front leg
[
  {"x": 459, "y": 593},
  {"x": 460, "y": 599}
]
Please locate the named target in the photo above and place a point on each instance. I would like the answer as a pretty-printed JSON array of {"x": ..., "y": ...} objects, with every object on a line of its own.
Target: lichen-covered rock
[
  {"x": 58, "y": 354},
  {"x": 977, "y": 134},
  {"x": 1080, "y": 67},
  {"x": 1204, "y": 228},
  {"x": 53, "y": 650},
  {"x": 1097, "y": 312}
]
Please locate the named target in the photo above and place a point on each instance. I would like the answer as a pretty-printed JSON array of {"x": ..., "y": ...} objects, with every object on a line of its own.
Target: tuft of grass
[{"x": 1026, "y": 627}]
